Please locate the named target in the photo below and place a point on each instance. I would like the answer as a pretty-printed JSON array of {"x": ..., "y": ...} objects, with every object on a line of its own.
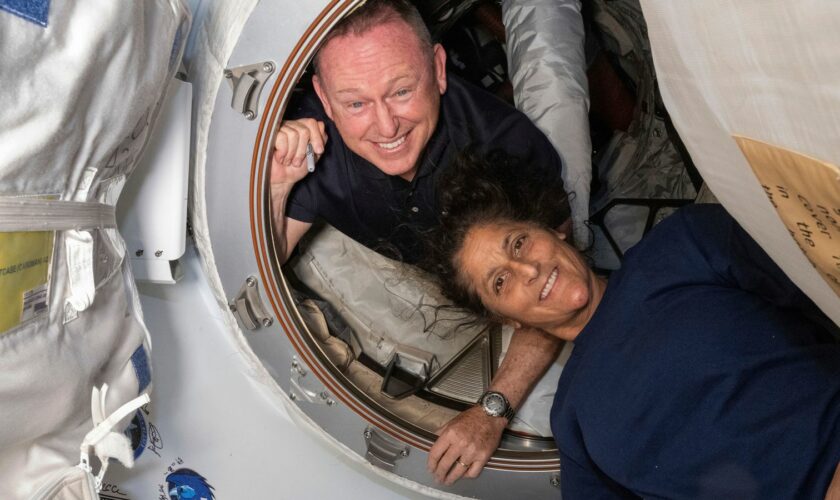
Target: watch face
[{"x": 494, "y": 404}]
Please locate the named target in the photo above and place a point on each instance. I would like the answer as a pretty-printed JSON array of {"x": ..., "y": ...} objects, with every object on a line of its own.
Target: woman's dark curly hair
[{"x": 481, "y": 188}]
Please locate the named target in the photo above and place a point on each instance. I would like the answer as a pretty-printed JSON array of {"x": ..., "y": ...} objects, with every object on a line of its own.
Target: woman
[{"x": 699, "y": 370}]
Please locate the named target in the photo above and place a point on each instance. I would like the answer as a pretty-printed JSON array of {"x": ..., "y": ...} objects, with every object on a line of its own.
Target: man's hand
[
  {"x": 288, "y": 167},
  {"x": 289, "y": 159},
  {"x": 464, "y": 445}
]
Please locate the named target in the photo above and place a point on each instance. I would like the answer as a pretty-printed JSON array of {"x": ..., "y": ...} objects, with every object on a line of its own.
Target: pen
[{"x": 310, "y": 159}]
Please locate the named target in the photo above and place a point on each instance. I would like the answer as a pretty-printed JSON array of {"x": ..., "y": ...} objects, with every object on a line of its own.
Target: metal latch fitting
[
  {"x": 407, "y": 371},
  {"x": 247, "y": 306},
  {"x": 247, "y": 83},
  {"x": 382, "y": 451}
]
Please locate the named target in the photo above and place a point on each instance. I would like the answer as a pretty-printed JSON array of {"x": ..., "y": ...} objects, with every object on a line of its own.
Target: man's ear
[
  {"x": 439, "y": 60},
  {"x": 322, "y": 95}
]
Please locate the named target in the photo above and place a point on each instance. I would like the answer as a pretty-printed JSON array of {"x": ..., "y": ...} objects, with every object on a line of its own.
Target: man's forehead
[{"x": 393, "y": 34}]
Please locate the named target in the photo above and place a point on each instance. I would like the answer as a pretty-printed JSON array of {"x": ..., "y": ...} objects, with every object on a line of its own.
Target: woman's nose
[{"x": 527, "y": 270}]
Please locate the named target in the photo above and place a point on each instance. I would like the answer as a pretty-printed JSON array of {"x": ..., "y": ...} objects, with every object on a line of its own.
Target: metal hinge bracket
[
  {"x": 248, "y": 307},
  {"x": 247, "y": 83},
  {"x": 383, "y": 451}
]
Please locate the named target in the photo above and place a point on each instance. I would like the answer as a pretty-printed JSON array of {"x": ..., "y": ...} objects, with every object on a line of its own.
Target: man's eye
[
  {"x": 499, "y": 283},
  {"x": 517, "y": 245},
  {"x": 401, "y": 93},
  {"x": 355, "y": 105}
]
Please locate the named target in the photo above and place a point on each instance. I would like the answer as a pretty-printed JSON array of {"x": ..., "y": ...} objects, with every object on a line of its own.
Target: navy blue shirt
[
  {"x": 699, "y": 376},
  {"x": 389, "y": 214}
]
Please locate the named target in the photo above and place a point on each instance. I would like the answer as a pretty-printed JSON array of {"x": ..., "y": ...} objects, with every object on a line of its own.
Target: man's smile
[{"x": 391, "y": 146}]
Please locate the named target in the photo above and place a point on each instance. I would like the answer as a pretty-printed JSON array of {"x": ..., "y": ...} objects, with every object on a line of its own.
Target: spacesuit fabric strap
[{"x": 74, "y": 217}]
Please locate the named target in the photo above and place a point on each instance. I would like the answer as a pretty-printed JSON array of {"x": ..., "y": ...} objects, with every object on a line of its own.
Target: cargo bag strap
[
  {"x": 77, "y": 218},
  {"x": 32, "y": 214}
]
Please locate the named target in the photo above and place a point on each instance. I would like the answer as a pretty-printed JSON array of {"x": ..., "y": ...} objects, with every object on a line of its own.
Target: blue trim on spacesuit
[
  {"x": 36, "y": 11},
  {"x": 140, "y": 361}
]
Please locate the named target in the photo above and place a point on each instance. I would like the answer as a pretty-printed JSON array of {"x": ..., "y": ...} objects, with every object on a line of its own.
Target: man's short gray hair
[{"x": 377, "y": 12}]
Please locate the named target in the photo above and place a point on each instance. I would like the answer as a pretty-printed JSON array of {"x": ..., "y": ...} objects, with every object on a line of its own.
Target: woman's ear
[{"x": 564, "y": 229}]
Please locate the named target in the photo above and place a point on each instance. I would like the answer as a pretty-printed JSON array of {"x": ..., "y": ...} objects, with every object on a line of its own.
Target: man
[{"x": 386, "y": 121}]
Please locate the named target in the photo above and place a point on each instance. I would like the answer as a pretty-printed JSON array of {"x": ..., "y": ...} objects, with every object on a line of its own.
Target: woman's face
[{"x": 527, "y": 275}]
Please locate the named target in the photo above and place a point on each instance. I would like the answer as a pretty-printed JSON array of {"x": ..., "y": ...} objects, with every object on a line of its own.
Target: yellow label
[
  {"x": 806, "y": 194},
  {"x": 24, "y": 276}
]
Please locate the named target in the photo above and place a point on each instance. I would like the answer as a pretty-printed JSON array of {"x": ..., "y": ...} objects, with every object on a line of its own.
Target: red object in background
[{"x": 609, "y": 99}]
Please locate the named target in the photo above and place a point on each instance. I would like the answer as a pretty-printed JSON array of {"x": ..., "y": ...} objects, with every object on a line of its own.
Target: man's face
[{"x": 383, "y": 93}]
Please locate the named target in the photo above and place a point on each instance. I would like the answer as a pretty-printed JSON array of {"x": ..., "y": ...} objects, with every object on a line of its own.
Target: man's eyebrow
[
  {"x": 355, "y": 90},
  {"x": 398, "y": 77},
  {"x": 488, "y": 277}
]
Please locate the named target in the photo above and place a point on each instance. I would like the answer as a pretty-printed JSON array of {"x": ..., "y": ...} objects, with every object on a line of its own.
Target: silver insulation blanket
[{"x": 548, "y": 70}]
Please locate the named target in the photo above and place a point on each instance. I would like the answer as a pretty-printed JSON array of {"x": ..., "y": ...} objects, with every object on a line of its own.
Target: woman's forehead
[{"x": 485, "y": 246}]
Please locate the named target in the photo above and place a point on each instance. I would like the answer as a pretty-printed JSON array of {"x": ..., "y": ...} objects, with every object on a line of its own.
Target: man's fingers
[
  {"x": 296, "y": 135},
  {"x": 319, "y": 140},
  {"x": 281, "y": 146},
  {"x": 288, "y": 138},
  {"x": 300, "y": 152}
]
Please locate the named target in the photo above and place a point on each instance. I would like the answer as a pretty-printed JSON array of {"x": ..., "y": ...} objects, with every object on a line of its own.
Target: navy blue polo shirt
[
  {"x": 701, "y": 375},
  {"x": 387, "y": 213}
]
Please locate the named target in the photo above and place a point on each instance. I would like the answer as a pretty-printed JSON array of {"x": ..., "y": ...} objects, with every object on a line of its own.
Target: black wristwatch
[{"x": 495, "y": 404}]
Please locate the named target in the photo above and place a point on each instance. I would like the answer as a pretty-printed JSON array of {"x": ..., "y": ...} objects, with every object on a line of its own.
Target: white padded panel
[{"x": 767, "y": 70}]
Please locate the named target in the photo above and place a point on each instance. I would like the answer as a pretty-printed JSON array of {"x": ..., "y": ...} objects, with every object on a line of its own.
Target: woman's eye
[
  {"x": 517, "y": 245},
  {"x": 499, "y": 283}
]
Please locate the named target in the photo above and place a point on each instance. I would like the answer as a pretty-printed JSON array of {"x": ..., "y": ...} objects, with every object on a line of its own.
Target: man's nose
[{"x": 386, "y": 123}]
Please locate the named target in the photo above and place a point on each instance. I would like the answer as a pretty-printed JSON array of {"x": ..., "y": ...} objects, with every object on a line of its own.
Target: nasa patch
[{"x": 138, "y": 434}]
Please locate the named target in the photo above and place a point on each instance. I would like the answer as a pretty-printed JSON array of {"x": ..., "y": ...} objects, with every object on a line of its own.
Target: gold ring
[{"x": 462, "y": 464}]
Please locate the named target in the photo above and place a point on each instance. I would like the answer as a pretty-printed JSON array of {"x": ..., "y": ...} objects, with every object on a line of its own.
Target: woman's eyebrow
[
  {"x": 489, "y": 276},
  {"x": 506, "y": 241}
]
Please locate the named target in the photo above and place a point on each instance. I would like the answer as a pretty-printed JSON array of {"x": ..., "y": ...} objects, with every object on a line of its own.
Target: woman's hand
[
  {"x": 464, "y": 445},
  {"x": 833, "y": 492}
]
